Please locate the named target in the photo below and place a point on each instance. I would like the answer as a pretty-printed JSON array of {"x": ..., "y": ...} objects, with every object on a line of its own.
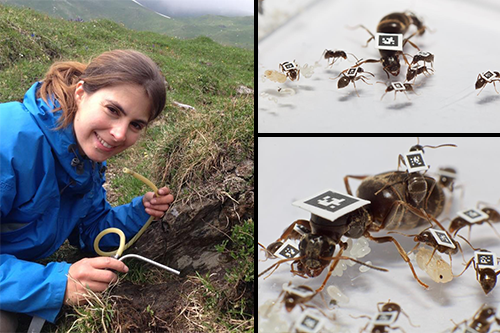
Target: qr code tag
[
  {"x": 415, "y": 161},
  {"x": 385, "y": 318},
  {"x": 288, "y": 250},
  {"x": 473, "y": 215},
  {"x": 398, "y": 86},
  {"x": 288, "y": 66},
  {"x": 386, "y": 41},
  {"x": 485, "y": 259},
  {"x": 330, "y": 204},
  {"x": 299, "y": 291},
  {"x": 442, "y": 238},
  {"x": 309, "y": 322},
  {"x": 488, "y": 75},
  {"x": 352, "y": 71}
]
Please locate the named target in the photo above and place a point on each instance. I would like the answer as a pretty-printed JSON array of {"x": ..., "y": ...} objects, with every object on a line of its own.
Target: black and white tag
[
  {"x": 288, "y": 250},
  {"x": 352, "y": 71},
  {"x": 415, "y": 161},
  {"x": 299, "y": 291},
  {"x": 330, "y": 204},
  {"x": 386, "y": 41},
  {"x": 288, "y": 66},
  {"x": 442, "y": 238},
  {"x": 485, "y": 259},
  {"x": 385, "y": 318},
  {"x": 309, "y": 322},
  {"x": 423, "y": 54},
  {"x": 488, "y": 75},
  {"x": 473, "y": 215},
  {"x": 398, "y": 86}
]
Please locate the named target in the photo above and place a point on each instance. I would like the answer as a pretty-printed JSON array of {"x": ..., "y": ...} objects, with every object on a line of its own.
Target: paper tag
[
  {"x": 415, "y": 161},
  {"x": 473, "y": 215},
  {"x": 398, "y": 86},
  {"x": 387, "y": 41},
  {"x": 309, "y": 322},
  {"x": 299, "y": 291},
  {"x": 330, "y": 204},
  {"x": 352, "y": 71},
  {"x": 288, "y": 250},
  {"x": 385, "y": 318},
  {"x": 288, "y": 66},
  {"x": 488, "y": 75},
  {"x": 423, "y": 54},
  {"x": 442, "y": 238},
  {"x": 485, "y": 259}
]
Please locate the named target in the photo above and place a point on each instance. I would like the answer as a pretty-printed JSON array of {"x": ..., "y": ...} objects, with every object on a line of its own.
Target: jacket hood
[{"x": 62, "y": 141}]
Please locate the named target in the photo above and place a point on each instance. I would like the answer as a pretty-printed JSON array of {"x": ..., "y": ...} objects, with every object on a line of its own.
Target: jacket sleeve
[
  {"x": 32, "y": 288},
  {"x": 129, "y": 218}
]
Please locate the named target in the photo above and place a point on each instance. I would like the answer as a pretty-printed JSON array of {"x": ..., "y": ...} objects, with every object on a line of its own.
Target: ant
[
  {"x": 423, "y": 56},
  {"x": 482, "y": 320},
  {"x": 484, "y": 267},
  {"x": 335, "y": 55},
  {"x": 317, "y": 246},
  {"x": 485, "y": 215},
  {"x": 487, "y": 77},
  {"x": 290, "y": 70},
  {"x": 399, "y": 87},
  {"x": 352, "y": 76},
  {"x": 385, "y": 317},
  {"x": 389, "y": 31},
  {"x": 413, "y": 71},
  {"x": 447, "y": 177}
]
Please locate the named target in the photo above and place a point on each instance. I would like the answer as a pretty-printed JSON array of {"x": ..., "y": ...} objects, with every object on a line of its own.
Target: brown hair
[{"x": 108, "y": 69}]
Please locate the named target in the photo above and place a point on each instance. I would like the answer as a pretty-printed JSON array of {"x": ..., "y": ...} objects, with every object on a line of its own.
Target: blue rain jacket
[{"x": 48, "y": 193}]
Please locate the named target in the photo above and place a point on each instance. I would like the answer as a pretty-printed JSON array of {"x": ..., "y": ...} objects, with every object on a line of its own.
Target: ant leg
[
  {"x": 401, "y": 251},
  {"x": 276, "y": 265},
  {"x": 383, "y": 95},
  {"x": 367, "y": 61},
  {"x": 290, "y": 233},
  {"x": 481, "y": 90},
  {"x": 494, "y": 85},
  {"x": 346, "y": 182},
  {"x": 362, "y": 26},
  {"x": 354, "y": 84},
  {"x": 406, "y": 95},
  {"x": 330, "y": 270},
  {"x": 400, "y": 159},
  {"x": 409, "y": 41}
]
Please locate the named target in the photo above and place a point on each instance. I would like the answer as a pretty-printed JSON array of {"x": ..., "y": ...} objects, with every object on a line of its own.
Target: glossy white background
[
  {"x": 464, "y": 42},
  {"x": 294, "y": 168}
]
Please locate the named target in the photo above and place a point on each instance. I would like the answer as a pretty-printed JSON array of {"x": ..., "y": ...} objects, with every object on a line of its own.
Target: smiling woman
[{"x": 53, "y": 152}]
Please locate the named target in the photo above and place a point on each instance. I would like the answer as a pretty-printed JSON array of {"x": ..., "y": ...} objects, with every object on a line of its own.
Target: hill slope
[{"x": 235, "y": 31}]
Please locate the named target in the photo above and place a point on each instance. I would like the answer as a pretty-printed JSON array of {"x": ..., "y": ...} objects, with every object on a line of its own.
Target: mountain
[{"x": 234, "y": 31}]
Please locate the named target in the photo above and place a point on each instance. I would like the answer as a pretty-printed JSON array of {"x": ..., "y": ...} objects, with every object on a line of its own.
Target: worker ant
[
  {"x": 399, "y": 87},
  {"x": 487, "y": 77},
  {"x": 472, "y": 217},
  {"x": 447, "y": 177},
  {"x": 390, "y": 42},
  {"x": 335, "y": 55},
  {"x": 481, "y": 321},
  {"x": 290, "y": 70},
  {"x": 386, "y": 316},
  {"x": 351, "y": 76},
  {"x": 423, "y": 56},
  {"x": 415, "y": 70},
  {"x": 341, "y": 215}
]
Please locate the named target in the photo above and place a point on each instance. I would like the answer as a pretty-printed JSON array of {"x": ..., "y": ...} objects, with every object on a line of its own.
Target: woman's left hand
[{"x": 157, "y": 205}]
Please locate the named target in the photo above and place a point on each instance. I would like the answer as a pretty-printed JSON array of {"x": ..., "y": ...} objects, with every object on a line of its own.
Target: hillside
[
  {"x": 204, "y": 154},
  {"x": 234, "y": 31}
]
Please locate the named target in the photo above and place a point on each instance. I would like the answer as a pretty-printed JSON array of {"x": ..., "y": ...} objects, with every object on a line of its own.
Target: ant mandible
[{"x": 390, "y": 30}]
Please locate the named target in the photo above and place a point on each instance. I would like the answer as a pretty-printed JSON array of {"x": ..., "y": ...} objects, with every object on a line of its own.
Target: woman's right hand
[{"x": 93, "y": 273}]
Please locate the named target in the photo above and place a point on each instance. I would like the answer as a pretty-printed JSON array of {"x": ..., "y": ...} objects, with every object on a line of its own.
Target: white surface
[
  {"x": 464, "y": 42},
  {"x": 293, "y": 168}
]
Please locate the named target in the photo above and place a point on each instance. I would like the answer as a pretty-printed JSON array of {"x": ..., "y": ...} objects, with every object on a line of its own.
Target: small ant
[
  {"x": 482, "y": 320},
  {"x": 487, "y": 77},
  {"x": 399, "y": 87},
  {"x": 485, "y": 273},
  {"x": 413, "y": 71},
  {"x": 335, "y": 55},
  {"x": 290, "y": 70},
  {"x": 490, "y": 215},
  {"x": 423, "y": 56},
  {"x": 447, "y": 177},
  {"x": 386, "y": 317},
  {"x": 352, "y": 76}
]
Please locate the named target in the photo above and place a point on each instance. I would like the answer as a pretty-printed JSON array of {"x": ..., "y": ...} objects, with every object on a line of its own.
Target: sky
[{"x": 176, "y": 8}]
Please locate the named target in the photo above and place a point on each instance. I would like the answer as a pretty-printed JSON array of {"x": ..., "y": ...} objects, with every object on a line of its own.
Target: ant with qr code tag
[
  {"x": 399, "y": 87},
  {"x": 482, "y": 320},
  {"x": 291, "y": 70},
  {"x": 487, "y": 77},
  {"x": 351, "y": 75},
  {"x": 386, "y": 316}
]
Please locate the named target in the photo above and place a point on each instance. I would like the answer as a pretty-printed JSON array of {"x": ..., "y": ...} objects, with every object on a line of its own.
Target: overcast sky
[{"x": 175, "y": 8}]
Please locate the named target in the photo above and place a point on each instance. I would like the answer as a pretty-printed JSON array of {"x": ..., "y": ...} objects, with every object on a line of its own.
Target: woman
[{"x": 53, "y": 151}]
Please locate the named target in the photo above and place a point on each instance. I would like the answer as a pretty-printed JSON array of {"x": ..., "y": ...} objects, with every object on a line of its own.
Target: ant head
[
  {"x": 328, "y": 54},
  {"x": 391, "y": 64},
  {"x": 493, "y": 214},
  {"x": 487, "y": 279},
  {"x": 312, "y": 247},
  {"x": 389, "y": 307},
  {"x": 410, "y": 74},
  {"x": 358, "y": 221},
  {"x": 343, "y": 82}
]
